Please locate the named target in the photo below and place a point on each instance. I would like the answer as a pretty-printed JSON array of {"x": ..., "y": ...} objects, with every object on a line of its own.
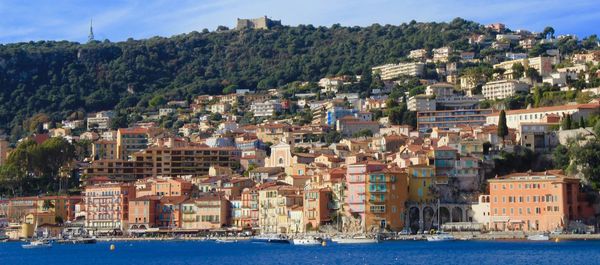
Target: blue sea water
[{"x": 400, "y": 252}]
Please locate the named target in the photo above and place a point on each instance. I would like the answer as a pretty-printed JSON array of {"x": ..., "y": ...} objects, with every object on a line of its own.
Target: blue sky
[{"x": 119, "y": 20}]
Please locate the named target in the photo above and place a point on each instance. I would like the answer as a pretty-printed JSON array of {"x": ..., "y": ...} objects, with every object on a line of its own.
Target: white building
[
  {"x": 503, "y": 88},
  {"x": 418, "y": 54},
  {"x": 441, "y": 54},
  {"x": 330, "y": 84},
  {"x": 515, "y": 117},
  {"x": 165, "y": 111},
  {"x": 265, "y": 109},
  {"x": 421, "y": 103},
  {"x": 440, "y": 90},
  {"x": 393, "y": 71},
  {"x": 221, "y": 108},
  {"x": 101, "y": 121}
]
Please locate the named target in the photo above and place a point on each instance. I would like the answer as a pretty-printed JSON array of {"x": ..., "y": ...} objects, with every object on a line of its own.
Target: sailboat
[
  {"x": 37, "y": 243},
  {"x": 440, "y": 236}
]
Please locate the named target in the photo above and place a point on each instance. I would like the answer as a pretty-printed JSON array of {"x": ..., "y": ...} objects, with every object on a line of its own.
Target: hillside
[{"x": 58, "y": 78}]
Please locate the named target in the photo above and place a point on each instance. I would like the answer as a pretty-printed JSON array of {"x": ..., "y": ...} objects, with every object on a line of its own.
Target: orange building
[
  {"x": 538, "y": 201},
  {"x": 163, "y": 186},
  {"x": 316, "y": 207},
  {"x": 59, "y": 207},
  {"x": 206, "y": 213},
  {"x": 107, "y": 206},
  {"x": 142, "y": 213},
  {"x": 386, "y": 193}
]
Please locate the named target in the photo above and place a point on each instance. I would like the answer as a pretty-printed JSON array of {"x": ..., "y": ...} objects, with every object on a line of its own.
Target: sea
[{"x": 389, "y": 252}]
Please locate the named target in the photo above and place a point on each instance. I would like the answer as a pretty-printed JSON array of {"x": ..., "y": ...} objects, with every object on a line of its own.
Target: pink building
[{"x": 356, "y": 175}]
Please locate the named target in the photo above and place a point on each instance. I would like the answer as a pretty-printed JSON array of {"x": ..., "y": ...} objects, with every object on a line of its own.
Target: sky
[{"x": 34, "y": 20}]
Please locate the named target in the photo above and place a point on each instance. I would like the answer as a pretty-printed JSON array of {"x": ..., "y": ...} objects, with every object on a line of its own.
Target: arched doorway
[
  {"x": 429, "y": 220},
  {"x": 444, "y": 215},
  {"x": 457, "y": 214},
  {"x": 413, "y": 219}
]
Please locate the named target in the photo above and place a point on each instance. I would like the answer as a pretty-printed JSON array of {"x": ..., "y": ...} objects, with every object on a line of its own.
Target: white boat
[
  {"x": 226, "y": 241},
  {"x": 440, "y": 237},
  {"x": 37, "y": 244},
  {"x": 539, "y": 237},
  {"x": 307, "y": 241},
  {"x": 355, "y": 240},
  {"x": 271, "y": 238}
]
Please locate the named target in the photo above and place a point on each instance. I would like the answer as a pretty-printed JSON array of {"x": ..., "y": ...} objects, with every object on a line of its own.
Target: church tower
[{"x": 91, "y": 35}]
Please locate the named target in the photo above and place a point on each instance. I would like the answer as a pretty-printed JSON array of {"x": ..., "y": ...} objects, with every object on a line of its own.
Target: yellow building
[
  {"x": 276, "y": 204},
  {"x": 421, "y": 177}
]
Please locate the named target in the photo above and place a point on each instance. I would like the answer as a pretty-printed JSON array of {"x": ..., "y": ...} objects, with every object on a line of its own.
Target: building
[
  {"x": 275, "y": 202},
  {"x": 515, "y": 117},
  {"x": 104, "y": 149},
  {"x": 441, "y": 54},
  {"x": 61, "y": 207},
  {"x": 543, "y": 65},
  {"x": 107, "y": 207},
  {"x": 420, "y": 180},
  {"x": 206, "y": 213},
  {"x": 265, "y": 109},
  {"x": 446, "y": 119},
  {"x": 100, "y": 121},
  {"x": 535, "y": 201},
  {"x": 393, "y": 71},
  {"x": 349, "y": 126},
  {"x": 376, "y": 195},
  {"x": 164, "y": 161},
  {"x": 256, "y": 23},
  {"x": 316, "y": 207},
  {"x": 130, "y": 140},
  {"x": 162, "y": 186},
  {"x": 503, "y": 89},
  {"x": 142, "y": 213},
  {"x": 497, "y": 27},
  {"x": 419, "y": 54}
]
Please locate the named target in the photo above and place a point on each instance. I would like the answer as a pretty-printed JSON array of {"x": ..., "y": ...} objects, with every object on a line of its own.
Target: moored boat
[
  {"x": 440, "y": 237},
  {"x": 37, "y": 244},
  {"x": 538, "y": 237},
  {"x": 355, "y": 240},
  {"x": 311, "y": 241},
  {"x": 271, "y": 239}
]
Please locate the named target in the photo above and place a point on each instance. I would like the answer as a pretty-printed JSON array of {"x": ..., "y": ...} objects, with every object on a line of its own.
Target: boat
[
  {"x": 271, "y": 239},
  {"x": 538, "y": 237},
  {"x": 440, "y": 237},
  {"x": 88, "y": 240},
  {"x": 314, "y": 241},
  {"x": 226, "y": 240},
  {"x": 37, "y": 244},
  {"x": 355, "y": 240}
]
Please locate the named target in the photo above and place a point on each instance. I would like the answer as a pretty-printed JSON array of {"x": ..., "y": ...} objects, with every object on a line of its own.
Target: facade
[
  {"x": 161, "y": 186},
  {"x": 446, "y": 119},
  {"x": 422, "y": 103},
  {"x": 421, "y": 178},
  {"x": 100, "y": 121},
  {"x": 515, "y": 117},
  {"x": 256, "y": 23},
  {"x": 537, "y": 201},
  {"x": 265, "y": 109},
  {"x": 168, "y": 162},
  {"x": 349, "y": 126},
  {"x": 107, "y": 207},
  {"x": 206, "y": 213},
  {"x": 130, "y": 140},
  {"x": 275, "y": 202},
  {"x": 441, "y": 54},
  {"x": 386, "y": 193},
  {"x": 142, "y": 213},
  {"x": 418, "y": 54},
  {"x": 543, "y": 65},
  {"x": 393, "y": 71},
  {"x": 316, "y": 207},
  {"x": 104, "y": 149},
  {"x": 503, "y": 89},
  {"x": 61, "y": 206}
]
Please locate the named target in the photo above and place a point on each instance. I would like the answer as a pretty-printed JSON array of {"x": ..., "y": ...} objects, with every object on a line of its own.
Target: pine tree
[
  {"x": 581, "y": 122},
  {"x": 502, "y": 127}
]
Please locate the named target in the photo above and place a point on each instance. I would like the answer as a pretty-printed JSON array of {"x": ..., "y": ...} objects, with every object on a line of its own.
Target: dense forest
[{"x": 58, "y": 78}]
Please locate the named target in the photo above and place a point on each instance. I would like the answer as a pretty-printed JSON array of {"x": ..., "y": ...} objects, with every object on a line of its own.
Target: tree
[
  {"x": 560, "y": 157},
  {"x": 518, "y": 70},
  {"x": 502, "y": 126},
  {"x": 581, "y": 122},
  {"x": 230, "y": 89},
  {"x": 567, "y": 123},
  {"x": 532, "y": 74},
  {"x": 157, "y": 100},
  {"x": 548, "y": 31}
]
